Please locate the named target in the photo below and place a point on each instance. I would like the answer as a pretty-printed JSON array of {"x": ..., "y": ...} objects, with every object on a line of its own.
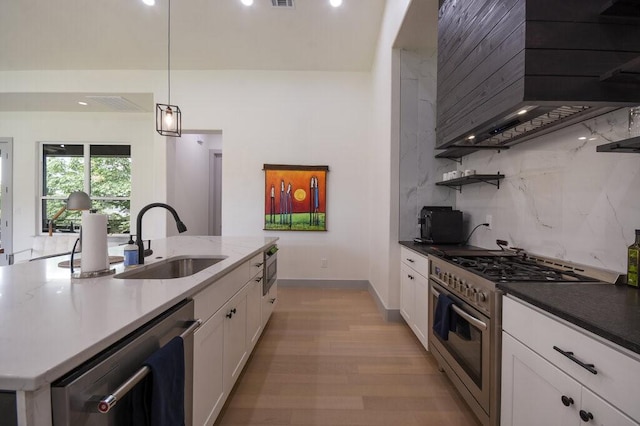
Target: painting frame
[{"x": 295, "y": 197}]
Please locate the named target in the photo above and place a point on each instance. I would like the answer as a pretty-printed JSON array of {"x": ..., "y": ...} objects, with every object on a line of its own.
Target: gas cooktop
[{"x": 512, "y": 267}]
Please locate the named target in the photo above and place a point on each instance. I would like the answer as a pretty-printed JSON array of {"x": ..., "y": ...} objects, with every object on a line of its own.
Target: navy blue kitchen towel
[
  {"x": 442, "y": 316},
  {"x": 165, "y": 386}
]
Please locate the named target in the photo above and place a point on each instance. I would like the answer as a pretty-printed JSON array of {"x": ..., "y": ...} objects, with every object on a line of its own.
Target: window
[{"x": 102, "y": 171}]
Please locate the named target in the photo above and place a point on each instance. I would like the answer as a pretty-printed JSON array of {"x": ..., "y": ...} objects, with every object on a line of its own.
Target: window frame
[{"x": 86, "y": 183}]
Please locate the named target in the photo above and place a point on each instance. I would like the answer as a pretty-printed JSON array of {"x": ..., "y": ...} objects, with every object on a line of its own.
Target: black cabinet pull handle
[
  {"x": 233, "y": 311},
  {"x": 410, "y": 276},
  {"x": 567, "y": 401},
  {"x": 272, "y": 301},
  {"x": 585, "y": 416},
  {"x": 410, "y": 260},
  {"x": 589, "y": 367},
  {"x": 230, "y": 314}
]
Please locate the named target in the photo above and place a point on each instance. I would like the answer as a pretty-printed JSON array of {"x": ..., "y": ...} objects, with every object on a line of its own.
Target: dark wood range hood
[{"x": 510, "y": 70}]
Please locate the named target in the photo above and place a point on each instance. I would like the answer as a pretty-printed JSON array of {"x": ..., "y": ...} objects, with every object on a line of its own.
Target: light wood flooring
[{"x": 327, "y": 358}]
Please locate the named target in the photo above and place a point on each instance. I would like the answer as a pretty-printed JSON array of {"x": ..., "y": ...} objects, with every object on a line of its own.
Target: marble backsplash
[
  {"x": 559, "y": 198},
  {"x": 419, "y": 170}
]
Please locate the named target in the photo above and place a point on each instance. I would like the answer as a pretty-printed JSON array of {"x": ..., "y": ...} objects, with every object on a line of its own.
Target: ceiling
[{"x": 205, "y": 35}]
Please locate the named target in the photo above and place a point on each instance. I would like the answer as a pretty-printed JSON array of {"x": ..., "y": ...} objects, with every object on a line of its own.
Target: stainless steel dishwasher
[{"x": 97, "y": 392}]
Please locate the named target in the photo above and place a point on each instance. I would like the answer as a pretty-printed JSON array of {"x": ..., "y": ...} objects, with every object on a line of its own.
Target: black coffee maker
[{"x": 440, "y": 225}]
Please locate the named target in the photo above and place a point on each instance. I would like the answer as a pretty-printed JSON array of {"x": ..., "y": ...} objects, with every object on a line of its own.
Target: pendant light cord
[{"x": 169, "y": 51}]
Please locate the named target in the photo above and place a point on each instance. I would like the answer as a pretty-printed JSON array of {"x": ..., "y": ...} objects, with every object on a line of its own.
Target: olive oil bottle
[{"x": 633, "y": 261}]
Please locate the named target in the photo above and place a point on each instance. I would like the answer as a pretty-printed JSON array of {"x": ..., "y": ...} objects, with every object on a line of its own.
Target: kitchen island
[{"x": 50, "y": 323}]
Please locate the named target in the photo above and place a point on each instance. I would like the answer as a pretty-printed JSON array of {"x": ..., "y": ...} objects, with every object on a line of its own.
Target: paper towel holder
[{"x": 92, "y": 274}]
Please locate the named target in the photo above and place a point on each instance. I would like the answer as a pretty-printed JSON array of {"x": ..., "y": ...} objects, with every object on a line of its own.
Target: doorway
[
  {"x": 215, "y": 192},
  {"x": 194, "y": 186},
  {"x": 6, "y": 200}
]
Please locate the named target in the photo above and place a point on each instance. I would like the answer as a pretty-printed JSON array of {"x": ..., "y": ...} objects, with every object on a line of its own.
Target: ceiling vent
[
  {"x": 288, "y": 4},
  {"x": 116, "y": 103}
]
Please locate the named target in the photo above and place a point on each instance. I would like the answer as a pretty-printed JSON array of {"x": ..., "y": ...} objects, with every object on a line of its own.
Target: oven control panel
[{"x": 468, "y": 286}]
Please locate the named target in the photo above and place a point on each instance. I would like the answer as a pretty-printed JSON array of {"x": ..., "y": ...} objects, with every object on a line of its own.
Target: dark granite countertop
[
  {"x": 607, "y": 310},
  {"x": 436, "y": 249}
]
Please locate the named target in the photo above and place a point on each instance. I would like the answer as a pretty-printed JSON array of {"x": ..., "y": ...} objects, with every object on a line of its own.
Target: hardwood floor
[{"x": 326, "y": 358}]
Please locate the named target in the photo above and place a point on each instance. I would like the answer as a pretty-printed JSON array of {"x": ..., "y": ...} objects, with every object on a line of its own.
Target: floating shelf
[
  {"x": 455, "y": 153},
  {"x": 627, "y": 145},
  {"x": 467, "y": 180}
]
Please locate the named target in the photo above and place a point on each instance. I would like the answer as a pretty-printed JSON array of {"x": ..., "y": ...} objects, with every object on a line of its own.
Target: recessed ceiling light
[
  {"x": 522, "y": 111},
  {"x": 83, "y": 103},
  {"x": 335, "y": 3},
  {"x": 582, "y": 138},
  {"x": 247, "y": 2},
  {"x": 149, "y": 2},
  {"x": 472, "y": 137},
  {"x": 592, "y": 139}
]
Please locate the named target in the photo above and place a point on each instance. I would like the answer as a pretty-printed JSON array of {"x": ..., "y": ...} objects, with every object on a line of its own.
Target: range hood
[{"x": 512, "y": 70}]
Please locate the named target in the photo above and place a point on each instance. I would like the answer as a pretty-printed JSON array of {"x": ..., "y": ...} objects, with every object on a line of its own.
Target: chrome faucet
[{"x": 139, "y": 243}]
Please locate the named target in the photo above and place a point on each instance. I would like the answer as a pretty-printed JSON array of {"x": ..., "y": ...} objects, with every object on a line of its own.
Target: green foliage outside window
[{"x": 110, "y": 178}]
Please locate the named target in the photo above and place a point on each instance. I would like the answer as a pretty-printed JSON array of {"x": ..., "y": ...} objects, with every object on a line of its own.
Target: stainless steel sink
[{"x": 175, "y": 267}]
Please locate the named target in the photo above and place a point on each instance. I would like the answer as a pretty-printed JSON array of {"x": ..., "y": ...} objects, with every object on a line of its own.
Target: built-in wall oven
[{"x": 270, "y": 269}]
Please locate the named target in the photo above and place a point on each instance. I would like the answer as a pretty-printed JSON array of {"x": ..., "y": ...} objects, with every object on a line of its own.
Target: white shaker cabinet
[
  {"x": 231, "y": 309},
  {"x": 208, "y": 385},
  {"x": 414, "y": 292},
  {"x": 235, "y": 337},
  {"x": 542, "y": 386}
]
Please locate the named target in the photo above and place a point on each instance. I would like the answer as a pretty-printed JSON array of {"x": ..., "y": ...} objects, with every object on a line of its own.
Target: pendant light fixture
[{"x": 168, "y": 117}]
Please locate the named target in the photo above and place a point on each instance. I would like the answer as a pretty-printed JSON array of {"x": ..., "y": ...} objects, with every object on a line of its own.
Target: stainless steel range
[{"x": 470, "y": 353}]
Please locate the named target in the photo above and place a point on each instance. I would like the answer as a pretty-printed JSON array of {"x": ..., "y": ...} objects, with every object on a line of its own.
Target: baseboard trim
[{"x": 389, "y": 315}]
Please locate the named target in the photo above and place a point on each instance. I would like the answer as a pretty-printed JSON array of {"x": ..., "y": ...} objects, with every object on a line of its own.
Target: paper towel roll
[{"x": 95, "y": 254}]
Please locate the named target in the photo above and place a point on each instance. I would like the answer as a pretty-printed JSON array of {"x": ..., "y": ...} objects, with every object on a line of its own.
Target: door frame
[
  {"x": 6, "y": 217},
  {"x": 215, "y": 192}
]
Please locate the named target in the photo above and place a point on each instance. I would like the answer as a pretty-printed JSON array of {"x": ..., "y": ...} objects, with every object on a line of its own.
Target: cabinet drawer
[
  {"x": 415, "y": 261},
  {"x": 256, "y": 265},
  {"x": 618, "y": 374},
  {"x": 209, "y": 300}
]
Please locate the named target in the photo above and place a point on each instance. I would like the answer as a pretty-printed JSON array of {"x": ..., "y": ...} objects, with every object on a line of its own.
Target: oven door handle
[{"x": 473, "y": 320}]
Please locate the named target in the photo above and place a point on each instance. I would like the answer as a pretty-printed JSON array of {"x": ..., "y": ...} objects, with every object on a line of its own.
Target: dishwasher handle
[{"x": 107, "y": 402}]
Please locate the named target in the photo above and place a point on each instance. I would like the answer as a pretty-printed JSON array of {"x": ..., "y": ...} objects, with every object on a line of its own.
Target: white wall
[
  {"x": 306, "y": 118},
  {"x": 382, "y": 201},
  {"x": 28, "y": 129},
  {"x": 560, "y": 197}
]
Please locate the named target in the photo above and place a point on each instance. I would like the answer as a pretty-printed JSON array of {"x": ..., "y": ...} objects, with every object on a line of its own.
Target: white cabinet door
[
  {"x": 407, "y": 292},
  {"x": 269, "y": 302},
  {"x": 254, "y": 312},
  {"x": 534, "y": 392},
  {"x": 235, "y": 337},
  {"x": 208, "y": 385},
  {"x": 421, "y": 310},
  {"x": 598, "y": 412}
]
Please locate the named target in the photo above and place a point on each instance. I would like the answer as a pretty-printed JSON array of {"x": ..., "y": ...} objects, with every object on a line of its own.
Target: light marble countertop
[{"x": 50, "y": 324}]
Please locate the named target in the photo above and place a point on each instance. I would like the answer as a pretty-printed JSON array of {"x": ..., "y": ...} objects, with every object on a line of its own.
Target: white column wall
[{"x": 384, "y": 270}]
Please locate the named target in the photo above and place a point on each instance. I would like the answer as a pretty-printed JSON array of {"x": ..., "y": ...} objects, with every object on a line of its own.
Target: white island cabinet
[
  {"x": 554, "y": 373},
  {"x": 52, "y": 324},
  {"x": 223, "y": 343},
  {"x": 414, "y": 292}
]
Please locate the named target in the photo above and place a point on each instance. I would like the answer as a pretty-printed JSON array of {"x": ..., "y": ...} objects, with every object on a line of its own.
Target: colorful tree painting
[{"x": 295, "y": 197}]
